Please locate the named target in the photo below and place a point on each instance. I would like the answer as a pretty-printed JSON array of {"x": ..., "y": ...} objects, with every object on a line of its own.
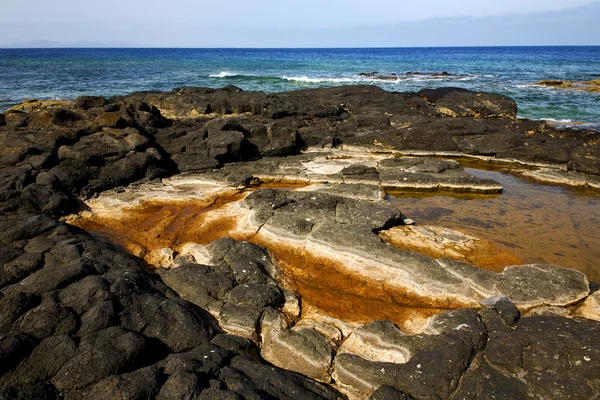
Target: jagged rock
[
  {"x": 587, "y": 86},
  {"x": 237, "y": 344},
  {"x": 322, "y": 221},
  {"x": 276, "y": 382}
]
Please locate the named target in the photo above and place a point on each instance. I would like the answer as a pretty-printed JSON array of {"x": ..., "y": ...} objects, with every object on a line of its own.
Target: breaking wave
[{"x": 383, "y": 79}]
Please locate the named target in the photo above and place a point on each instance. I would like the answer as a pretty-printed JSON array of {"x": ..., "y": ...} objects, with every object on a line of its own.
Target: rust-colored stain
[
  {"x": 322, "y": 283},
  {"x": 482, "y": 253},
  {"x": 157, "y": 225},
  {"x": 319, "y": 281}
]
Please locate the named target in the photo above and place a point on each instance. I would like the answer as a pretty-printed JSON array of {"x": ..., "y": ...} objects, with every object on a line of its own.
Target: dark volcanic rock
[
  {"x": 81, "y": 319},
  {"x": 176, "y": 323}
]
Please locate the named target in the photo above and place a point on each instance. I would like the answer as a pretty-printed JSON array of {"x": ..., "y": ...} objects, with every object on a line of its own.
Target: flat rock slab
[
  {"x": 407, "y": 173},
  {"x": 344, "y": 230}
]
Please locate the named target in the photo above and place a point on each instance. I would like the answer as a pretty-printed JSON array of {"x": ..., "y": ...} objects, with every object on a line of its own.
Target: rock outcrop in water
[
  {"x": 82, "y": 318},
  {"x": 592, "y": 86}
]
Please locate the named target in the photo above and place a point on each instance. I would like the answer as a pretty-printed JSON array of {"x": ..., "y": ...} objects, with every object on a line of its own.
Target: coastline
[{"x": 298, "y": 178}]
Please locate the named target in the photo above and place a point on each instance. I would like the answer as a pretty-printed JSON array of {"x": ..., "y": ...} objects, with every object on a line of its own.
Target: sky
[{"x": 293, "y": 23}]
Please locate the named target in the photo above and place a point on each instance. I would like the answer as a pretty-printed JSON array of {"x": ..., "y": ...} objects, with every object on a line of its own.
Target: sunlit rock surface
[{"x": 232, "y": 248}]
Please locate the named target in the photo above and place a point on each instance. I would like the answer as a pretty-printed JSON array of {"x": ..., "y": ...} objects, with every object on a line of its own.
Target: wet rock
[
  {"x": 20, "y": 268},
  {"x": 98, "y": 317},
  {"x": 205, "y": 359},
  {"x": 433, "y": 372},
  {"x": 546, "y": 350},
  {"x": 111, "y": 120},
  {"x": 51, "y": 277},
  {"x": 24, "y": 226},
  {"x": 85, "y": 102},
  {"x": 588, "y": 86},
  {"x": 16, "y": 119},
  {"x": 81, "y": 319},
  {"x": 379, "y": 122},
  {"x": 84, "y": 294},
  {"x": 218, "y": 394},
  {"x": 225, "y": 146}
]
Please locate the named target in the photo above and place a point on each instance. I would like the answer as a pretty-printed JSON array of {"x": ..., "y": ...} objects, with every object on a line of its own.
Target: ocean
[{"x": 512, "y": 71}]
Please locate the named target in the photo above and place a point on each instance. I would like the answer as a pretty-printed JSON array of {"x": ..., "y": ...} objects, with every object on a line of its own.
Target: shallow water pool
[{"x": 538, "y": 223}]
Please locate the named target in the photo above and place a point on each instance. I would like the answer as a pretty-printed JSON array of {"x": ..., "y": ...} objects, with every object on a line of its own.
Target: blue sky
[{"x": 312, "y": 23}]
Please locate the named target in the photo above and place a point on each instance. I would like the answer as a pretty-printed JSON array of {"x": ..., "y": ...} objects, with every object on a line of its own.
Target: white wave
[
  {"x": 306, "y": 79},
  {"x": 379, "y": 79},
  {"x": 223, "y": 74},
  {"x": 559, "y": 121},
  {"x": 536, "y": 86}
]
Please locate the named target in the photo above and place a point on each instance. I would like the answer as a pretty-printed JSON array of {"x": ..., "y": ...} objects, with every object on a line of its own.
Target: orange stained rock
[
  {"x": 156, "y": 225},
  {"x": 323, "y": 284},
  {"x": 480, "y": 252},
  {"x": 320, "y": 282}
]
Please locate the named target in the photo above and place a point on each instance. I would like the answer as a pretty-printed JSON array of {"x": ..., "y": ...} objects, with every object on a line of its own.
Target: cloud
[{"x": 576, "y": 26}]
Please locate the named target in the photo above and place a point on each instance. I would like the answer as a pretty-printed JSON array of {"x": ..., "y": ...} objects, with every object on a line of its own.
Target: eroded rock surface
[{"x": 81, "y": 318}]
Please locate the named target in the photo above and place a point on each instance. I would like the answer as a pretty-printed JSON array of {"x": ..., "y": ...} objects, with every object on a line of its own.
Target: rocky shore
[{"x": 221, "y": 244}]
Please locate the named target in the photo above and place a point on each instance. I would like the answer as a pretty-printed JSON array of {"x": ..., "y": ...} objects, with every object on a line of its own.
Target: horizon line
[{"x": 135, "y": 47}]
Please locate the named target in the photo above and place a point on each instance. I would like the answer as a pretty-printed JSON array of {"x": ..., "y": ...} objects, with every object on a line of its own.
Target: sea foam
[{"x": 223, "y": 74}]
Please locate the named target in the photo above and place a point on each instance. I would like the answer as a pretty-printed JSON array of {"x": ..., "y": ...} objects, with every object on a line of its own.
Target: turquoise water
[{"x": 512, "y": 71}]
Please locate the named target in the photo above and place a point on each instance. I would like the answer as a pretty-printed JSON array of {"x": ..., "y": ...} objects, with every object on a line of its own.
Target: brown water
[{"x": 538, "y": 223}]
